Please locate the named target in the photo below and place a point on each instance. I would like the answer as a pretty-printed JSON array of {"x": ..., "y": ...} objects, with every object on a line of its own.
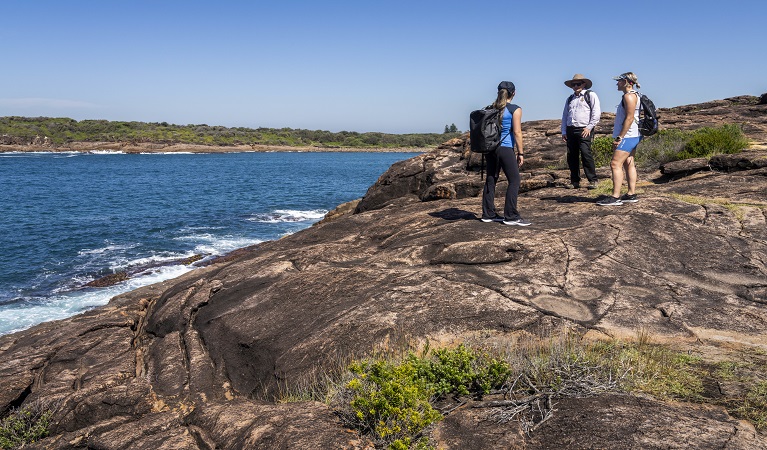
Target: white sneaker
[{"x": 519, "y": 222}]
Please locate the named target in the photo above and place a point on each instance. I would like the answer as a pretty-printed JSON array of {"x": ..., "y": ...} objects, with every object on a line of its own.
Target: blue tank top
[{"x": 507, "y": 136}]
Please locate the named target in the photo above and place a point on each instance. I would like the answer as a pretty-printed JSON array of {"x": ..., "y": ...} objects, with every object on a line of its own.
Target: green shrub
[
  {"x": 25, "y": 425},
  {"x": 655, "y": 150},
  {"x": 674, "y": 145},
  {"x": 392, "y": 400},
  {"x": 602, "y": 150},
  {"x": 663, "y": 147},
  {"x": 706, "y": 142},
  {"x": 462, "y": 371}
]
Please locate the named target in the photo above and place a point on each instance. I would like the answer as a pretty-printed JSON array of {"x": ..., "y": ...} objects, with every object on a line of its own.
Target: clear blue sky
[{"x": 396, "y": 66}]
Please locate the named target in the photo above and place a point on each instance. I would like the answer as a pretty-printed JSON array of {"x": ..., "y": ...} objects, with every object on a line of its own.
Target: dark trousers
[
  {"x": 579, "y": 149},
  {"x": 503, "y": 158}
]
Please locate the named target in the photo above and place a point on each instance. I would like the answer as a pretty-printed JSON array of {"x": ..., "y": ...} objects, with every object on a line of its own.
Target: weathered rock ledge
[{"x": 193, "y": 363}]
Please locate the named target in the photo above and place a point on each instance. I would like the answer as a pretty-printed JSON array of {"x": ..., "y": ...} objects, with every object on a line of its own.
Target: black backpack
[
  {"x": 648, "y": 116},
  {"x": 485, "y": 129}
]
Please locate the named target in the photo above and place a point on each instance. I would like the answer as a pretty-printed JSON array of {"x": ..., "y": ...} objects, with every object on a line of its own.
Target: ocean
[{"x": 71, "y": 218}]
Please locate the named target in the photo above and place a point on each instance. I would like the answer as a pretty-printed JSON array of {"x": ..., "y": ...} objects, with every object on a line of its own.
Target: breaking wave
[{"x": 289, "y": 215}]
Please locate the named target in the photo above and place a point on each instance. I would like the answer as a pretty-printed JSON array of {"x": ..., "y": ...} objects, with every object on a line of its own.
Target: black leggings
[{"x": 503, "y": 158}]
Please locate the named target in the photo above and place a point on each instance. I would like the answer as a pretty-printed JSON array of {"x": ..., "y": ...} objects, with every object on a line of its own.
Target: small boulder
[
  {"x": 108, "y": 280},
  {"x": 439, "y": 192},
  {"x": 340, "y": 210},
  {"x": 685, "y": 167},
  {"x": 739, "y": 161}
]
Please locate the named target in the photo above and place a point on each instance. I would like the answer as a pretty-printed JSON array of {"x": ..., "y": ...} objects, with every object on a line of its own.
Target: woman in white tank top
[{"x": 626, "y": 134}]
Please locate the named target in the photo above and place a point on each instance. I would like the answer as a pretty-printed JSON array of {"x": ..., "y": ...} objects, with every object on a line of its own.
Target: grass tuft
[{"x": 754, "y": 408}]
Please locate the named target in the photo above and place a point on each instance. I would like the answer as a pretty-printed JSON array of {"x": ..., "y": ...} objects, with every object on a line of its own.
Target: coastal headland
[
  {"x": 203, "y": 361},
  {"x": 61, "y": 134}
]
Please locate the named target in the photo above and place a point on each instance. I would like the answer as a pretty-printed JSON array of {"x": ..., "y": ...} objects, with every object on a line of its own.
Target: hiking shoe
[
  {"x": 592, "y": 185},
  {"x": 569, "y": 186},
  {"x": 519, "y": 222},
  {"x": 610, "y": 201},
  {"x": 626, "y": 198},
  {"x": 494, "y": 219}
]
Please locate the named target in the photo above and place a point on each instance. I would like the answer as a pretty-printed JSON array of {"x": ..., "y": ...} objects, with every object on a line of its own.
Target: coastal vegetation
[
  {"x": 25, "y": 425},
  {"x": 674, "y": 145},
  {"x": 63, "y": 130},
  {"x": 393, "y": 397},
  {"x": 392, "y": 400}
]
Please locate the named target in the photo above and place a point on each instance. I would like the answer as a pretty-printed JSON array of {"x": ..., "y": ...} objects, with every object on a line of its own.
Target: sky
[{"x": 410, "y": 66}]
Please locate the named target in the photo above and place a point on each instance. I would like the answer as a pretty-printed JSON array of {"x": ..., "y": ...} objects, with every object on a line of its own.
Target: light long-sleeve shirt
[{"x": 578, "y": 113}]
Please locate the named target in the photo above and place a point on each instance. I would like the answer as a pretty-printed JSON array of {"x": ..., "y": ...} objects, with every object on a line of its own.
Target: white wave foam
[
  {"x": 106, "y": 152},
  {"x": 167, "y": 153},
  {"x": 189, "y": 229},
  {"x": 150, "y": 260},
  {"x": 19, "y": 154},
  {"x": 156, "y": 275},
  {"x": 209, "y": 244},
  {"x": 20, "y": 316},
  {"x": 289, "y": 215},
  {"x": 107, "y": 249},
  {"x": 37, "y": 154}
]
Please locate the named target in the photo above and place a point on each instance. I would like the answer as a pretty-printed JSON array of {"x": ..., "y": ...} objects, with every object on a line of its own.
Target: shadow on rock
[
  {"x": 571, "y": 199},
  {"x": 454, "y": 214}
]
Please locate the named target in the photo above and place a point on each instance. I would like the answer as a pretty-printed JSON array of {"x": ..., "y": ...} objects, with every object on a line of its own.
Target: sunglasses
[{"x": 577, "y": 83}]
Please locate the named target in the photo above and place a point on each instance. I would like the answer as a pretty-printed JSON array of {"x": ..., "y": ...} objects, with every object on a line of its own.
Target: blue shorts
[{"x": 628, "y": 144}]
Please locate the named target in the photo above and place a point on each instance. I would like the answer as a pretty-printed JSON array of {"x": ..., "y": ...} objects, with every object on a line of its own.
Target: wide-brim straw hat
[{"x": 579, "y": 77}]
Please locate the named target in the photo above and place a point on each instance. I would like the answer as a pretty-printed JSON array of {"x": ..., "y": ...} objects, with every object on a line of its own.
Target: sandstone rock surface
[{"x": 196, "y": 362}]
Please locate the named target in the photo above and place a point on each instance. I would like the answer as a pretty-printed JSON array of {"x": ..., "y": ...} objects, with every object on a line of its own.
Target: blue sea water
[{"x": 70, "y": 218}]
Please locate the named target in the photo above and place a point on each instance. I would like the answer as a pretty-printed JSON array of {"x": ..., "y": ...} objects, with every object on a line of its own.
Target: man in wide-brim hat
[
  {"x": 579, "y": 78},
  {"x": 580, "y": 116}
]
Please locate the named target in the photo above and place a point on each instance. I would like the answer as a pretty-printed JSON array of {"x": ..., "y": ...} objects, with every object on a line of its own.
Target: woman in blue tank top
[{"x": 509, "y": 156}]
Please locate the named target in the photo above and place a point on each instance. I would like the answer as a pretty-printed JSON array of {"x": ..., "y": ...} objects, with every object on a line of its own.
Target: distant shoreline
[{"x": 126, "y": 147}]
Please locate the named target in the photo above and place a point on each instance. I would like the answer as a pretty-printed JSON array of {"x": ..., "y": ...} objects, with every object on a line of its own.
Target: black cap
[{"x": 508, "y": 85}]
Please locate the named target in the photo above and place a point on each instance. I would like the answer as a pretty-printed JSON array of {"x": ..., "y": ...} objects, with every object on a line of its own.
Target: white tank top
[{"x": 620, "y": 116}]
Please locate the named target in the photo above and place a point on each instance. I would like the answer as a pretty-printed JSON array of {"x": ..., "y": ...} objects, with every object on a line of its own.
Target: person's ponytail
[
  {"x": 502, "y": 99},
  {"x": 500, "y": 102}
]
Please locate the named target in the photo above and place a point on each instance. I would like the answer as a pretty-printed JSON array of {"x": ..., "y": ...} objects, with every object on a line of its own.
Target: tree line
[{"x": 64, "y": 130}]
